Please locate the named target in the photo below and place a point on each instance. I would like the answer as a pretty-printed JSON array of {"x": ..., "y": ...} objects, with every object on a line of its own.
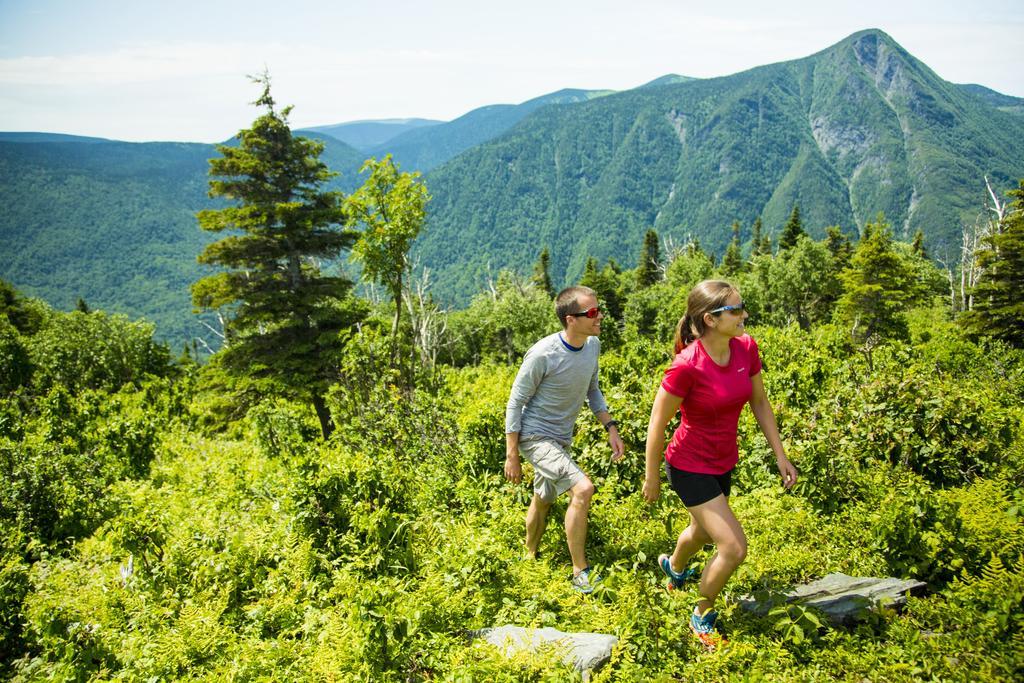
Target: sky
[{"x": 144, "y": 70}]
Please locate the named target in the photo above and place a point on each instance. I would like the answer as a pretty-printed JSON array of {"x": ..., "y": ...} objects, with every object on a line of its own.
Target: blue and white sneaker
[
  {"x": 675, "y": 579},
  {"x": 585, "y": 581},
  {"x": 705, "y": 627}
]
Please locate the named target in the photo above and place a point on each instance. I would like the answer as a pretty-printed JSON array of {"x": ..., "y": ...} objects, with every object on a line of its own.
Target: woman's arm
[
  {"x": 766, "y": 420},
  {"x": 665, "y": 406}
]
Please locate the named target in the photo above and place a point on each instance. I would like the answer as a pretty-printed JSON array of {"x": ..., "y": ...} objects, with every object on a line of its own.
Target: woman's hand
[
  {"x": 787, "y": 470},
  {"x": 652, "y": 489}
]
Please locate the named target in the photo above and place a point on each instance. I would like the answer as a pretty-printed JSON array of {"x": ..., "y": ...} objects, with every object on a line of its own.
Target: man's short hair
[{"x": 566, "y": 301}]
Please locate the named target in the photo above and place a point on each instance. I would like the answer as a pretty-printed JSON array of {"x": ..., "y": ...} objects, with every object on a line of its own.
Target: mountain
[
  {"x": 47, "y": 137},
  {"x": 114, "y": 223},
  {"x": 1007, "y": 103},
  {"x": 365, "y": 135},
  {"x": 424, "y": 148},
  {"x": 859, "y": 128},
  {"x": 850, "y": 131},
  {"x": 668, "y": 79}
]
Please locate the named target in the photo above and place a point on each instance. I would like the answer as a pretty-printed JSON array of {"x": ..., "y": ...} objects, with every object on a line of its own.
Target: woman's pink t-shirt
[{"x": 713, "y": 397}]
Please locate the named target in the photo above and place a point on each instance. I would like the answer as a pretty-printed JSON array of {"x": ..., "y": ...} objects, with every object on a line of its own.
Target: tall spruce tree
[
  {"x": 285, "y": 331},
  {"x": 792, "y": 230},
  {"x": 648, "y": 271},
  {"x": 876, "y": 287},
  {"x": 542, "y": 273},
  {"x": 732, "y": 260},
  {"x": 999, "y": 296},
  {"x": 839, "y": 246},
  {"x": 755, "y": 237},
  {"x": 917, "y": 245}
]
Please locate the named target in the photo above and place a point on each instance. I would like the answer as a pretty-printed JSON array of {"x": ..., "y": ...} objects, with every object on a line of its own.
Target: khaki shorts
[{"x": 554, "y": 471}]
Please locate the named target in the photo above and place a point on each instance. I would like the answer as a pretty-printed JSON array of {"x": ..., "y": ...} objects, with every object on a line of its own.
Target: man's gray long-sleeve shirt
[{"x": 550, "y": 388}]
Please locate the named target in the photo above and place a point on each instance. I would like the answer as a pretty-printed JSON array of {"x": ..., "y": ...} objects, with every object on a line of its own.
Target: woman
[{"x": 715, "y": 372}]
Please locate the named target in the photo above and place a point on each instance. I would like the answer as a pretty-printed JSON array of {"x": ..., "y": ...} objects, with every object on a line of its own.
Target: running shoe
[
  {"x": 585, "y": 581},
  {"x": 705, "y": 628},
  {"x": 675, "y": 579}
]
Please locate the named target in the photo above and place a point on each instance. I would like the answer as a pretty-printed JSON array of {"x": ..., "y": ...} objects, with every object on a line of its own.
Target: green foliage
[
  {"x": 197, "y": 528},
  {"x": 501, "y": 324},
  {"x": 998, "y": 310},
  {"x": 95, "y": 350},
  {"x": 802, "y": 283},
  {"x": 15, "y": 366},
  {"x": 877, "y": 288},
  {"x": 391, "y": 207}
]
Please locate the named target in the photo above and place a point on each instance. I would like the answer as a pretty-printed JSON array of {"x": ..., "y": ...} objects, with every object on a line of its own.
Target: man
[{"x": 557, "y": 374}]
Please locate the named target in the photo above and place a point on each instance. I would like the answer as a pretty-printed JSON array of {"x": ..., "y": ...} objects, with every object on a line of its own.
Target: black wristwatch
[{"x": 609, "y": 424}]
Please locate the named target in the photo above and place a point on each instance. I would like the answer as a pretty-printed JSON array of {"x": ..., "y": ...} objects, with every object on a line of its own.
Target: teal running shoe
[{"x": 675, "y": 579}]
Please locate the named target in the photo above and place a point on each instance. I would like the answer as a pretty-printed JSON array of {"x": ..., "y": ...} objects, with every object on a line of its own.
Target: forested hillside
[
  {"x": 114, "y": 223},
  {"x": 857, "y": 129}
]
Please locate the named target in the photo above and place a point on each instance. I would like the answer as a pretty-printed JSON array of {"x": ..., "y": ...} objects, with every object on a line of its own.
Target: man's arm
[
  {"x": 513, "y": 465},
  {"x": 614, "y": 440},
  {"x": 523, "y": 388}
]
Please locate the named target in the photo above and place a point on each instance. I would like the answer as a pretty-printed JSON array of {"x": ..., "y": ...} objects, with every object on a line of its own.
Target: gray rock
[
  {"x": 584, "y": 651},
  {"x": 842, "y": 598}
]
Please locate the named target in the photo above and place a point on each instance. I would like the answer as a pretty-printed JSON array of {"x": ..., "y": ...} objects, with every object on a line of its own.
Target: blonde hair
[{"x": 705, "y": 297}]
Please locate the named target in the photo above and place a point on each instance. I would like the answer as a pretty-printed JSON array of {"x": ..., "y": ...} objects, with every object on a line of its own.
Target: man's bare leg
[
  {"x": 576, "y": 524},
  {"x": 536, "y": 520}
]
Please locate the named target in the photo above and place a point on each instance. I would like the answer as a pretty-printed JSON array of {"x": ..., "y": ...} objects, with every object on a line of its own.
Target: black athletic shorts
[{"x": 694, "y": 489}]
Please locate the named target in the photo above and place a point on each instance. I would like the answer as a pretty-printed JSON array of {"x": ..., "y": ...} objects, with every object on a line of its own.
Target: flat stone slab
[
  {"x": 842, "y": 598},
  {"x": 584, "y": 651}
]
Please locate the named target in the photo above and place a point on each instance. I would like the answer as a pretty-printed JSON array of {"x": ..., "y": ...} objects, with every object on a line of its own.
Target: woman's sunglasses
[{"x": 739, "y": 308}]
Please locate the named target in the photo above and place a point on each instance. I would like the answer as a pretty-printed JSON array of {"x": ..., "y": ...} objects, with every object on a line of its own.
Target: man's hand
[
  {"x": 615, "y": 441},
  {"x": 652, "y": 488},
  {"x": 513, "y": 468},
  {"x": 787, "y": 471}
]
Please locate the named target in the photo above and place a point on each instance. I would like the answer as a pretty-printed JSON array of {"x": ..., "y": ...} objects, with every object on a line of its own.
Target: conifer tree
[
  {"x": 756, "y": 238},
  {"x": 917, "y": 245},
  {"x": 999, "y": 296},
  {"x": 839, "y": 246},
  {"x": 876, "y": 287},
  {"x": 648, "y": 271},
  {"x": 285, "y": 331},
  {"x": 542, "y": 273},
  {"x": 732, "y": 260},
  {"x": 792, "y": 230}
]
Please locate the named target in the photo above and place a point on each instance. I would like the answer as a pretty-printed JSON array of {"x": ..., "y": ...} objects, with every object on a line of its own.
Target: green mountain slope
[
  {"x": 856, "y": 129},
  {"x": 424, "y": 148},
  {"x": 1007, "y": 103},
  {"x": 365, "y": 135},
  {"x": 114, "y": 223}
]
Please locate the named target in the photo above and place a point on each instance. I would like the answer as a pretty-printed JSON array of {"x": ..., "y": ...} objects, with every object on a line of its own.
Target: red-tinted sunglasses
[{"x": 589, "y": 313}]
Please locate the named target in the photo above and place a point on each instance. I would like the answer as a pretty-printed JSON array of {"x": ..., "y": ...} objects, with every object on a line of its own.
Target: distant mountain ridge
[
  {"x": 422, "y": 149},
  {"x": 857, "y": 129},
  {"x": 365, "y": 135}
]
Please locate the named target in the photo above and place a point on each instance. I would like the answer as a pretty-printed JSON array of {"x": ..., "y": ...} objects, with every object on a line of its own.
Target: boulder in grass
[
  {"x": 584, "y": 651},
  {"x": 843, "y": 599}
]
